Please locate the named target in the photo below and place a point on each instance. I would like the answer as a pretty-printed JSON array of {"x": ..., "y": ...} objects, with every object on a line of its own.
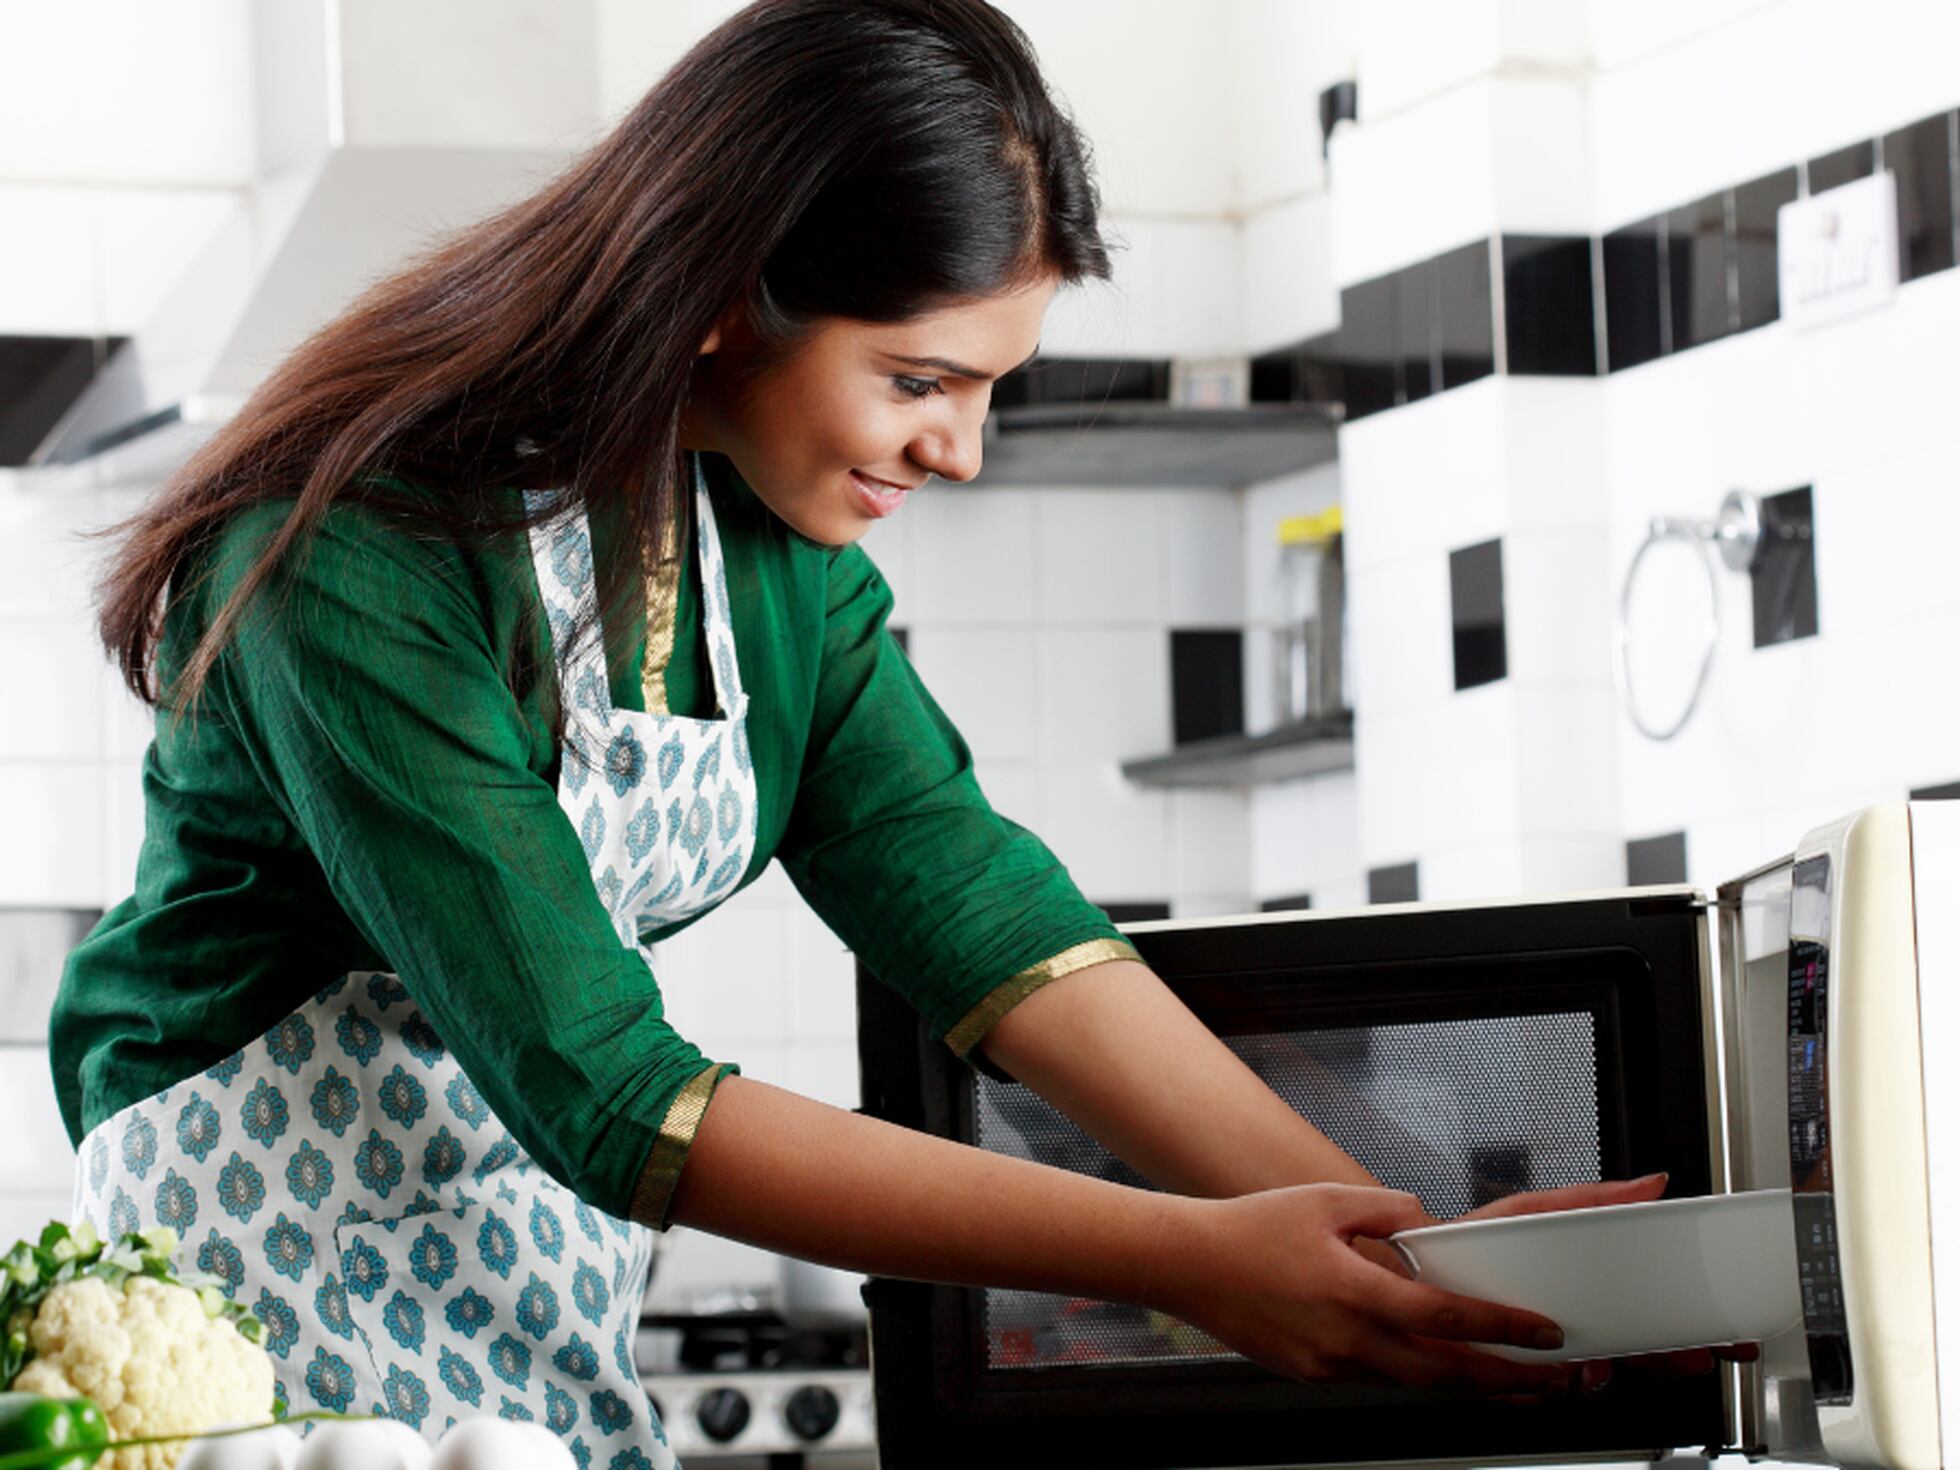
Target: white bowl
[{"x": 1643, "y": 1278}]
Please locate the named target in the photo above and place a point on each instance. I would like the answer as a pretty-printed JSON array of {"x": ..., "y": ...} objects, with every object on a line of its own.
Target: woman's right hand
[{"x": 1276, "y": 1276}]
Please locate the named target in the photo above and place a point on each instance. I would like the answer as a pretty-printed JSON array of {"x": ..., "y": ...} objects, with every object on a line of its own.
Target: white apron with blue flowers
[{"x": 346, "y": 1179}]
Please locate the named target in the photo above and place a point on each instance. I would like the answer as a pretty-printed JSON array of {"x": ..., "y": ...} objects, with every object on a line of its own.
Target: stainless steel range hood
[{"x": 283, "y": 266}]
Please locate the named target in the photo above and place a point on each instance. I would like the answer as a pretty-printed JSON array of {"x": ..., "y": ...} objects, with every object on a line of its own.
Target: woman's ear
[{"x": 728, "y": 325}]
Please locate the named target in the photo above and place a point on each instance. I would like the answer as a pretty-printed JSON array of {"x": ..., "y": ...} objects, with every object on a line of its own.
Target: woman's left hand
[{"x": 1594, "y": 1375}]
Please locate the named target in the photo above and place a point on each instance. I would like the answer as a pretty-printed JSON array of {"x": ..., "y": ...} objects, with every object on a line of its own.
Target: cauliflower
[
  {"x": 152, "y": 1361},
  {"x": 157, "y": 1354}
]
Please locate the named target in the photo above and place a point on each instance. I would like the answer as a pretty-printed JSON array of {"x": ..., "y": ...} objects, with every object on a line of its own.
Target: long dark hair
[{"x": 870, "y": 159}]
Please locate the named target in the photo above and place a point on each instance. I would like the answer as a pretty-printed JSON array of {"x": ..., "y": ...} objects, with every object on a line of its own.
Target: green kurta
[{"x": 362, "y": 790}]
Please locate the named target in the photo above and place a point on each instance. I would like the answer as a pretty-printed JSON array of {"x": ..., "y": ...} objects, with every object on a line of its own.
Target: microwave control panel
[{"x": 1821, "y": 1278}]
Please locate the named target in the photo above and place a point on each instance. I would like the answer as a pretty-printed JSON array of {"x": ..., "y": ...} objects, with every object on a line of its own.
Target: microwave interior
[{"x": 1459, "y": 1053}]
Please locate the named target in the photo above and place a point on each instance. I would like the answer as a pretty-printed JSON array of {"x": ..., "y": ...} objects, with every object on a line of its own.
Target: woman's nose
[{"x": 952, "y": 451}]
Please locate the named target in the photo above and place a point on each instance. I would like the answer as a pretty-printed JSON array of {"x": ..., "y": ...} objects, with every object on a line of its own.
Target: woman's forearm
[
  {"x": 1112, "y": 1048},
  {"x": 806, "y": 1179}
]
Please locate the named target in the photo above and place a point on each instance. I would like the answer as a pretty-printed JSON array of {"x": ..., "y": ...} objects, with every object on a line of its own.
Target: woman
[{"x": 515, "y": 623}]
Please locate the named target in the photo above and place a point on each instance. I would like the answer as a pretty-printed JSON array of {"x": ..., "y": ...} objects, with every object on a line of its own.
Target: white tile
[
  {"x": 1567, "y": 784},
  {"x": 973, "y": 557},
  {"x": 1204, "y": 553},
  {"x": 1555, "y": 475},
  {"x": 1472, "y": 754},
  {"x": 725, "y": 981},
  {"x": 1212, "y": 905},
  {"x": 34, "y": 945},
  {"x": 53, "y": 854},
  {"x": 1541, "y": 135},
  {"x": 889, "y": 544},
  {"x": 826, "y": 1071},
  {"x": 1101, "y": 556},
  {"x": 1013, "y": 789},
  {"x": 1396, "y": 783},
  {"x": 1211, "y": 843},
  {"x": 1398, "y": 634},
  {"x": 1287, "y": 278},
  {"x": 1103, "y": 694},
  {"x": 25, "y": 1215},
  {"x": 984, "y": 678},
  {"x": 1414, "y": 183},
  {"x": 1266, "y": 505},
  {"x": 35, "y": 1154},
  {"x": 1429, "y": 476},
  {"x": 1558, "y": 607},
  {"x": 759, "y": 1061},
  {"x": 47, "y": 571},
  {"x": 128, "y": 724},
  {"x": 1458, "y": 42},
  {"x": 1926, "y": 703},
  {"x": 1572, "y": 864},
  {"x": 1493, "y": 869},
  {"x": 47, "y": 262},
  {"x": 1350, "y": 892},
  {"x": 822, "y": 981},
  {"x": 123, "y": 821},
  {"x": 1114, "y": 838},
  {"x": 1282, "y": 833},
  {"x": 1200, "y": 308},
  {"x": 60, "y": 662}
]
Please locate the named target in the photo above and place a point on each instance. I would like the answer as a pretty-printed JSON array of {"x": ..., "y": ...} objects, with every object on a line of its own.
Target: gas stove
[{"x": 749, "y": 1383}]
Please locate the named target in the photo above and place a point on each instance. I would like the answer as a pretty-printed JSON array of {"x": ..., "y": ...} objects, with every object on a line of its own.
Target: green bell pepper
[{"x": 32, "y": 1422}]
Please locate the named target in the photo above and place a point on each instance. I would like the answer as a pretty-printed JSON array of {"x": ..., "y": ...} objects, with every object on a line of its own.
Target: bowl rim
[{"x": 1688, "y": 1204}]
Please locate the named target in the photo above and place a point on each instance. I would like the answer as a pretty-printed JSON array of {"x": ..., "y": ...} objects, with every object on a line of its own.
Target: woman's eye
[{"x": 918, "y": 387}]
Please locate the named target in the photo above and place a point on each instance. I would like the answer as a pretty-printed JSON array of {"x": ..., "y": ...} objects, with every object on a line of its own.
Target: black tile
[
  {"x": 1207, "y": 683},
  {"x": 1699, "y": 305},
  {"x": 1135, "y": 911},
  {"x": 1946, "y": 791},
  {"x": 1371, "y": 359},
  {"x": 1922, "y": 159},
  {"x": 1415, "y": 332},
  {"x": 1086, "y": 380},
  {"x": 1395, "y": 884},
  {"x": 902, "y": 637},
  {"x": 40, "y": 378},
  {"x": 1338, "y": 103},
  {"x": 1756, "y": 204},
  {"x": 1662, "y": 859},
  {"x": 1290, "y": 904},
  {"x": 1465, "y": 321},
  {"x": 1477, "y": 613},
  {"x": 1548, "y": 305},
  {"x": 1635, "y": 305},
  {"x": 1843, "y": 165},
  {"x": 1783, "y": 581},
  {"x": 1304, "y": 372}
]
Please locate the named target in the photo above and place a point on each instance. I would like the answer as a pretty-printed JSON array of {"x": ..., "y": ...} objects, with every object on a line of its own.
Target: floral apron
[{"x": 346, "y": 1179}]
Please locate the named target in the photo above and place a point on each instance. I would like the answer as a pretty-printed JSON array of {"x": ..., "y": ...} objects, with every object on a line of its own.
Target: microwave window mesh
[{"x": 1457, "y": 1113}]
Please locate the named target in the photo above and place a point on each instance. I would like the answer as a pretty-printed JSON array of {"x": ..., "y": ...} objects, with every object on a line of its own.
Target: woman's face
[{"x": 834, "y": 434}]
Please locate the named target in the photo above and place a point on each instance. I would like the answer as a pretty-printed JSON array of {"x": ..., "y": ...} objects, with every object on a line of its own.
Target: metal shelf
[
  {"x": 1146, "y": 444},
  {"x": 1307, "y": 748}
]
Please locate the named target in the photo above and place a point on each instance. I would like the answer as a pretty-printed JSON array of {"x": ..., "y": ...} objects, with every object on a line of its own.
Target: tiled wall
[{"x": 1640, "y": 371}]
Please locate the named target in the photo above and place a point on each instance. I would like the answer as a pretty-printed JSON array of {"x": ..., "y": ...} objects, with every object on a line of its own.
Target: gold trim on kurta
[
  {"x": 997, "y": 1002},
  {"x": 653, "y": 1196},
  {"x": 663, "y": 599}
]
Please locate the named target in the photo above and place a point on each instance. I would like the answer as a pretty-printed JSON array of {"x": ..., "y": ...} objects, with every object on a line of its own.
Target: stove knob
[
  {"x": 811, "y": 1412},
  {"x": 722, "y": 1414}
]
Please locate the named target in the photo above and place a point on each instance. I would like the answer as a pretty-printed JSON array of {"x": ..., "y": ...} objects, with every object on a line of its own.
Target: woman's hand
[{"x": 1277, "y": 1276}]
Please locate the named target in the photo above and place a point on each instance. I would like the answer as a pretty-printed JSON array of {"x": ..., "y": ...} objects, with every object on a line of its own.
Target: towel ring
[{"x": 1736, "y": 534}]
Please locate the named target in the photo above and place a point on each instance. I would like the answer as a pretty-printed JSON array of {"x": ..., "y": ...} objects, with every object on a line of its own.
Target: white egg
[
  {"x": 487, "y": 1443},
  {"x": 373, "y": 1444},
  {"x": 276, "y": 1448}
]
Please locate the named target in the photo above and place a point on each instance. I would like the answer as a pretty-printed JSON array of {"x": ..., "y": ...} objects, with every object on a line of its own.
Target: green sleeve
[
  {"x": 368, "y": 691},
  {"x": 894, "y": 845}
]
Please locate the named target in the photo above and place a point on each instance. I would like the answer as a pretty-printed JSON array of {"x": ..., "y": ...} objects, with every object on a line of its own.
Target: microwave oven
[{"x": 1781, "y": 1032}]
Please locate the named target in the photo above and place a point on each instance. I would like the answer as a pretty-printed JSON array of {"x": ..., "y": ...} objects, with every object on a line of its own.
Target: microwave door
[
  {"x": 1832, "y": 1076},
  {"x": 1460, "y": 1052}
]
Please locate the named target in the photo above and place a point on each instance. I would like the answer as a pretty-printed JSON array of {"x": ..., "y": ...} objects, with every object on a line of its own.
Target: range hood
[{"x": 281, "y": 266}]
